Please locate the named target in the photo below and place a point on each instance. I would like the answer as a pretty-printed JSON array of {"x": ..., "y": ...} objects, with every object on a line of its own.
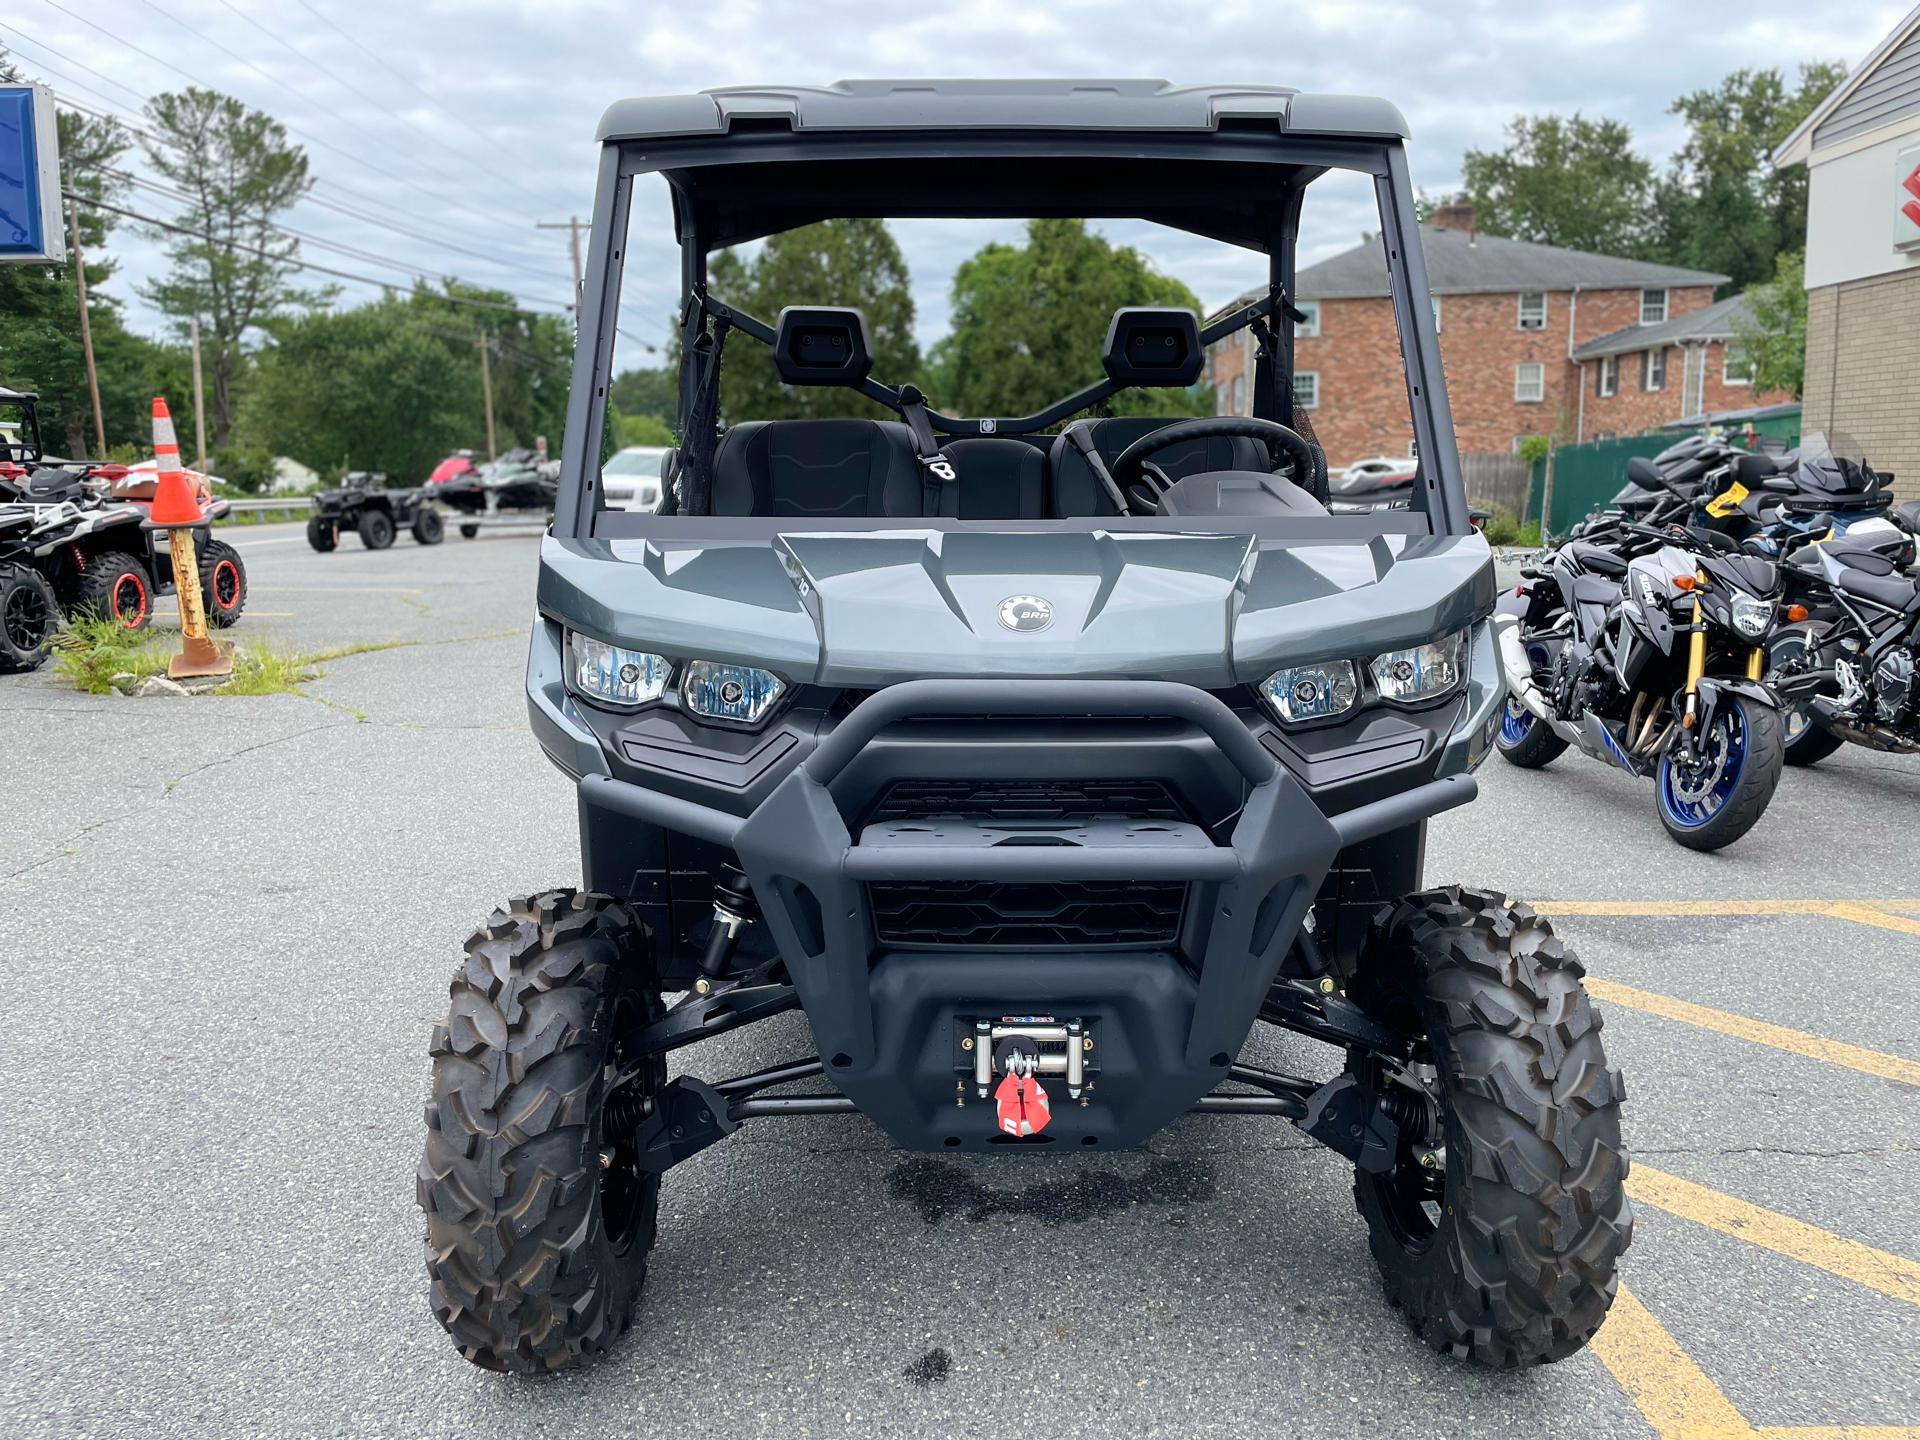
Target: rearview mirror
[{"x": 1641, "y": 471}]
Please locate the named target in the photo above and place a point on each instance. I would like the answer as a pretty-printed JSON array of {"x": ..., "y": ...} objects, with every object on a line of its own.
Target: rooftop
[
  {"x": 1713, "y": 323},
  {"x": 1460, "y": 262}
]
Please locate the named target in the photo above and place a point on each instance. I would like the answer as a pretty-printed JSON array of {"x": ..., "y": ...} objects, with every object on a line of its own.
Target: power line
[
  {"x": 159, "y": 224},
  {"x": 136, "y": 128},
  {"x": 379, "y": 60},
  {"x": 304, "y": 134}
]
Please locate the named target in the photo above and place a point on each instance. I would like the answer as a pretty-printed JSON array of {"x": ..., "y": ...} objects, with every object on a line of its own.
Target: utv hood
[{"x": 864, "y": 610}]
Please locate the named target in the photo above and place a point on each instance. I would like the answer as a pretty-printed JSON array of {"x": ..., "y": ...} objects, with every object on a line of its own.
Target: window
[
  {"x": 1238, "y": 405},
  {"x": 1436, "y": 313},
  {"x": 1306, "y": 389},
  {"x": 1606, "y": 378},
  {"x": 1310, "y": 325},
  {"x": 1533, "y": 310},
  {"x": 1653, "y": 370},
  {"x": 1653, "y": 307},
  {"x": 1735, "y": 367},
  {"x": 1530, "y": 382}
]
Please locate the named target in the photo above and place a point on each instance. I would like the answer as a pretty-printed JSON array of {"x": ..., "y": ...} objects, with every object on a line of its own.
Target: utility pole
[
  {"x": 571, "y": 225},
  {"x": 86, "y": 333},
  {"x": 486, "y": 390},
  {"x": 199, "y": 407}
]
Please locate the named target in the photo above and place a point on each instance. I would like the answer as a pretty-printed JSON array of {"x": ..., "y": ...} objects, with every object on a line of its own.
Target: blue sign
[{"x": 29, "y": 176}]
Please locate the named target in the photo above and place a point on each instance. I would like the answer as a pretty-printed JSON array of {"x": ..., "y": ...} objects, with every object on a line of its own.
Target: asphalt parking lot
[{"x": 226, "y": 932}]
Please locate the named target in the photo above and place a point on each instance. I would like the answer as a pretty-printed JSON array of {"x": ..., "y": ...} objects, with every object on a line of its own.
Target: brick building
[
  {"x": 1643, "y": 376},
  {"x": 1861, "y": 148},
  {"x": 1512, "y": 316}
]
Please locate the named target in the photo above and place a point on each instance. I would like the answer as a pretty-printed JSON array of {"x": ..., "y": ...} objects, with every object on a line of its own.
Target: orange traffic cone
[{"x": 176, "y": 511}]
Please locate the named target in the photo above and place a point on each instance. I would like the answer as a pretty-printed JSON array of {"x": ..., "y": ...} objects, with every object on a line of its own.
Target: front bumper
[{"x": 1171, "y": 1023}]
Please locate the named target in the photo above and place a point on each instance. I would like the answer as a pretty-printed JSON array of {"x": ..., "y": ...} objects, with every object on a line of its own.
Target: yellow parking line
[
  {"x": 1677, "y": 1398},
  {"x": 1798, "y": 1042},
  {"x": 1880, "y": 1270},
  {"x": 1859, "y": 912}
]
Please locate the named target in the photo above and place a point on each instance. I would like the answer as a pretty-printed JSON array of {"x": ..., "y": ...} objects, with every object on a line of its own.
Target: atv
[
  {"x": 1035, "y": 758},
  {"x": 363, "y": 504},
  {"x": 87, "y": 536}
]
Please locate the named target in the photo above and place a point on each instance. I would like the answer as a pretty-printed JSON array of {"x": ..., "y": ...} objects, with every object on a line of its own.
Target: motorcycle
[{"x": 1592, "y": 650}]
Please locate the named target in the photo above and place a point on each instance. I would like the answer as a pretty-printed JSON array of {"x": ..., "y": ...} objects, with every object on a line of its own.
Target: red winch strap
[{"x": 1023, "y": 1104}]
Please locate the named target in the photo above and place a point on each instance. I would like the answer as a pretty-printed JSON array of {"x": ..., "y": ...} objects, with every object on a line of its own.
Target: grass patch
[
  {"x": 90, "y": 653},
  {"x": 1503, "y": 528},
  {"x": 97, "y": 656}
]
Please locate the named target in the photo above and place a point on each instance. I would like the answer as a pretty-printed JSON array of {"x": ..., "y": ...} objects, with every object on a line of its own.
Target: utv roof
[{"x": 1002, "y": 105}]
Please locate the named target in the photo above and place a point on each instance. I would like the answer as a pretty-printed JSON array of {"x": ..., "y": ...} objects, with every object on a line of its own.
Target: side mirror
[
  {"x": 1153, "y": 347},
  {"x": 815, "y": 345},
  {"x": 1642, "y": 472}
]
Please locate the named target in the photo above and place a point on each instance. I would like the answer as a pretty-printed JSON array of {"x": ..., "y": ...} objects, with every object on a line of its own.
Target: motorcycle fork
[{"x": 1696, "y": 667}]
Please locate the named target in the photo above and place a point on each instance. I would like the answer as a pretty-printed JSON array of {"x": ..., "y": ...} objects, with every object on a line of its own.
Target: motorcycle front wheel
[{"x": 1712, "y": 800}]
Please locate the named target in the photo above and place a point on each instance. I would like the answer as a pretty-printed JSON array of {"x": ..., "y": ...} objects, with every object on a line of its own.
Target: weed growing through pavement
[{"x": 98, "y": 656}]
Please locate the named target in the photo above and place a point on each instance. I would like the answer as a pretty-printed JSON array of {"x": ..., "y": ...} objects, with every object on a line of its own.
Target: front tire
[
  {"x": 117, "y": 588},
  {"x": 1712, "y": 802},
  {"x": 1805, "y": 740},
  {"x": 29, "y": 617},
  {"x": 323, "y": 534},
  {"x": 376, "y": 529},
  {"x": 1506, "y": 1255},
  {"x": 539, "y": 1220}
]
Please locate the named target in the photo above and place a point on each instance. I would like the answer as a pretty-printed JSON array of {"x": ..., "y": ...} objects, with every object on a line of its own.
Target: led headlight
[
  {"x": 1311, "y": 692},
  {"x": 729, "y": 692},
  {"x": 608, "y": 675},
  {"x": 1423, "y": 671},
  {"x": 1751, "y": 614}
]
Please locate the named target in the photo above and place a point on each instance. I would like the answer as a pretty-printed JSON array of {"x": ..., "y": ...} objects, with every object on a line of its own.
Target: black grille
[
  {"x": 1026, "y": 799},
  {"x": 1055, "y": 914}
]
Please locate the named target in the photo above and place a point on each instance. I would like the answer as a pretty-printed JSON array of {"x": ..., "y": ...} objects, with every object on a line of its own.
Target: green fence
[{"x": 1586, "y": 477}]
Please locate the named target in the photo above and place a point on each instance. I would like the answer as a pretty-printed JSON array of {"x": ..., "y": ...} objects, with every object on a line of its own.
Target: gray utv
[{"x": 1033, "y": 763}]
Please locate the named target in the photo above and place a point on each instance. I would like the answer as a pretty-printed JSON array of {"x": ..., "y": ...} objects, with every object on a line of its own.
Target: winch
[{"x": 986, "y": 1046}]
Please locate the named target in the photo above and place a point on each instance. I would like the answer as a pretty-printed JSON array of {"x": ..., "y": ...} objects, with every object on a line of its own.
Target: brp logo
[{"x": 1025, "y": 613}]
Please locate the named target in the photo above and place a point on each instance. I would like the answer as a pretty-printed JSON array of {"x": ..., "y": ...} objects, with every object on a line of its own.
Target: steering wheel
[{"x": 1131, "y": 466}]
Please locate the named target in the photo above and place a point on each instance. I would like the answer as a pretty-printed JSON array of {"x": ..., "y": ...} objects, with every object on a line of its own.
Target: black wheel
[
  {"x": 323, "y": 534},
  {"x": 467, "y": 532},
  {"x": 115, "y": 586},
  {"x": 1524, "y": 739},
  {"x": 376, "y": 529},
  {"x": 223, "y": 583},
  {"x": 1499, "y": 1243},
  {"x": 1714, "y": 799},
  {"x": 539, "y": 1218},
  {"x": 1805, "y": 740},
  {"x": 428, "y": 527},
  {"x": 29, "y": 617}
]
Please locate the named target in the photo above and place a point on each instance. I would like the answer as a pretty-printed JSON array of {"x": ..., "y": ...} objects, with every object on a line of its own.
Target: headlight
[
  {"x": 612, "y": 676},
  {"x": 1422, "y": 672},
  {"x": 729, "y": 692},
  {"x": 1751, "y": 614},
  {"x": 1311, "y": 692}
]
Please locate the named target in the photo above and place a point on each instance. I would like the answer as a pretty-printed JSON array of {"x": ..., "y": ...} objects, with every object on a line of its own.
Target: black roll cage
[{"x": 763, "y": 178}]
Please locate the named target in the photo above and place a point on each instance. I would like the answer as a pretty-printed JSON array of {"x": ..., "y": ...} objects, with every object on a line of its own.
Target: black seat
[
  {"x": 1596, "y": 558},
  {"x": 1077, "y": 492},
  {"x": 1895, "y": 591},
  {"x": 1000, "y": 478},
  {"x": 817, "y": 469}
]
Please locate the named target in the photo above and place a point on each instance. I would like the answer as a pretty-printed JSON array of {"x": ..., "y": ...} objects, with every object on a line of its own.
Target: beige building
[{"x": 1862, "y": 153}]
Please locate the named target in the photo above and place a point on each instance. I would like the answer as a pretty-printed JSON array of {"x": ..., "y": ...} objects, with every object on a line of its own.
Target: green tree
[
  {"x": 232, "y": 268},
  {"x": 1566, "y": 181},
  {"x": 647, "y": 391},
  {"x": 1722, "y": 206},
  {"x": 836, "y": 262},
  {"x": 1773, "y": 332},
  {"x": 1028, "y": 323},
  {"x": 394, "y": 384}
]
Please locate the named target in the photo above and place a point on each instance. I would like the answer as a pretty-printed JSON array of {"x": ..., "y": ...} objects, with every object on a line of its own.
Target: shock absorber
[{"x": 734, "y": 908}]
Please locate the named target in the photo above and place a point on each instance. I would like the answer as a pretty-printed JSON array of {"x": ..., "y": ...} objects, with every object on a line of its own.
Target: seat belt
[
  {"x": 1080, "y": 435},
  {"x": 939, "y": 482}
]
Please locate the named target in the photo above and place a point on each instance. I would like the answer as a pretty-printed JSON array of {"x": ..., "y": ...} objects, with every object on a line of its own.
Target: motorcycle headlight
[
  {"x": 609, "y": 675},
  {"x": 1423, "y": 671},
  {"x": 1751, "y": 614},
  {"x": 729, "y": 692},
  {"x": 1311, "y": 692}
]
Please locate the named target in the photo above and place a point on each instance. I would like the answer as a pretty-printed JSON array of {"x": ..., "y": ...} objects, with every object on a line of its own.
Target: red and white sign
[{"x": 1906, "y": 199}]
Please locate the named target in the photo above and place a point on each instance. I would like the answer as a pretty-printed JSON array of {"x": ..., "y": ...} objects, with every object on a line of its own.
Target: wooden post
[
  {"x": 199, "y": 406},
  {"x": 486, "y": 392},
  {"x": 1546, "y": 493},
  {"x": 572, "y": 227},
  {"x": 86, "y": 333}
]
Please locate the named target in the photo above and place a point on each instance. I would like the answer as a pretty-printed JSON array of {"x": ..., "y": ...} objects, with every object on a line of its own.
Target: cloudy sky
[{"x": 441, "y": 130}]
